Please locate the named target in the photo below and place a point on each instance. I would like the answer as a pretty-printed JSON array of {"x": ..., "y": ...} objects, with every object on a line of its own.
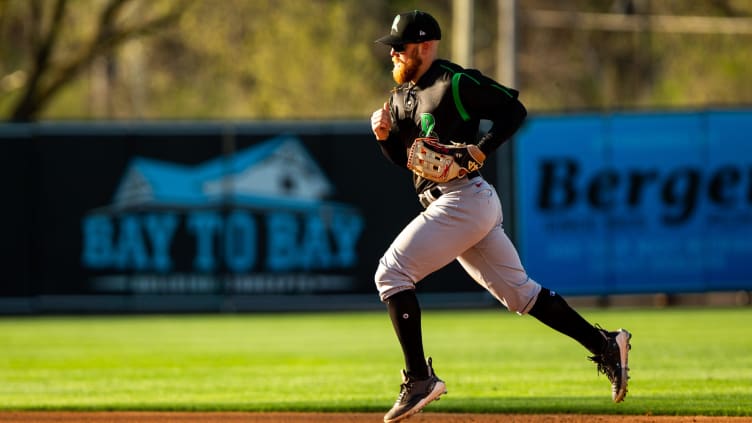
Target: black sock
[
  {"x": 404, "y": 311},
  {"x": 551, "y": 309}
]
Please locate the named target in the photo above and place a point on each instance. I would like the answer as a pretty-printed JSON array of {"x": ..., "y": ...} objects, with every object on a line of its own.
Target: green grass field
[{"x": 684, "y": 362}]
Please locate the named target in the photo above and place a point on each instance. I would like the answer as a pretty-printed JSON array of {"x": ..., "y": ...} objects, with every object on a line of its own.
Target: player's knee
[
  {"x": 521, "y": 299},
  {"x": 389, "y": 281}
]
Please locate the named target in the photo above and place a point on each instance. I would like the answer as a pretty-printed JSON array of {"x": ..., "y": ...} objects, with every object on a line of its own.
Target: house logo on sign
[{"x": 261, "y": 214}]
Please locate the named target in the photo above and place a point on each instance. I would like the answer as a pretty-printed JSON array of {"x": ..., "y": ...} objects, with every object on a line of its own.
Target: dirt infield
[{"x": 228, "y": 417}]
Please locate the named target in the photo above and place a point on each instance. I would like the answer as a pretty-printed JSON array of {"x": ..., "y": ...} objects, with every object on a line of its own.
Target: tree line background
[{"x": 316, "y": 59}]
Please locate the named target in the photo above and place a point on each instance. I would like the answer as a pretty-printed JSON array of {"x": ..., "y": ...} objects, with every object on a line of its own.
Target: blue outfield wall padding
[{"x": 637, "y": 202}]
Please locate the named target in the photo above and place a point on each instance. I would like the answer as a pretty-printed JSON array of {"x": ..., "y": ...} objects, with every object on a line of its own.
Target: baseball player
[{"x": 430, "y": 125}]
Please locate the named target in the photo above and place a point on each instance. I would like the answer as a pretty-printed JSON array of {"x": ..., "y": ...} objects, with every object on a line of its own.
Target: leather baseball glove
[{"x": 432, "y": 160}]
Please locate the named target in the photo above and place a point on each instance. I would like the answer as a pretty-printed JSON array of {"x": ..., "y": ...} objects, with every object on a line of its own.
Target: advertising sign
[
  {"x": 260, "y": 217},
  {"x": 199, "y": 216},
  {"x": 637, "y": 202}
]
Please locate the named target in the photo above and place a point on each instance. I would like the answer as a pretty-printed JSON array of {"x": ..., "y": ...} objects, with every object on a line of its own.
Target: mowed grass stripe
[{"x": 684, "y": 361}]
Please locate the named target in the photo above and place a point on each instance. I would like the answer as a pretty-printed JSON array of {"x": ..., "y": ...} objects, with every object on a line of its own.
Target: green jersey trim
[{"x": 456, "y": 92}]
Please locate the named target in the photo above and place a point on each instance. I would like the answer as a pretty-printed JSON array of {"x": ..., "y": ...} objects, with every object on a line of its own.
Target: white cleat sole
[
  {"x": 622, "y": 340},
  {"x": 438, "y": 390}
]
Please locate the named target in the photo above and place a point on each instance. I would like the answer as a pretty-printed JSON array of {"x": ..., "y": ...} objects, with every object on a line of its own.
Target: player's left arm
[{"x": 484, "y": 98}]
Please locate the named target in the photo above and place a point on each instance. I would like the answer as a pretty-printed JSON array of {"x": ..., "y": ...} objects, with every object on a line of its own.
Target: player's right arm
[
  {"x": 381, "y": 123},
  {"x": 389, "y": 141}
]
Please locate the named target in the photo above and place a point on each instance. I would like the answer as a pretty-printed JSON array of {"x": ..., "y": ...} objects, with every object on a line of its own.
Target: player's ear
[{"x": 428, "y": 47}]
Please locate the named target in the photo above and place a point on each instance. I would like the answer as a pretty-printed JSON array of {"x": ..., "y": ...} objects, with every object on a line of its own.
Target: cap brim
[{"x": 390, "y": 40}]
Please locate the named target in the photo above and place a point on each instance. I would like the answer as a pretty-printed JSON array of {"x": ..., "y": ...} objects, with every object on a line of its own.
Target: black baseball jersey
[{"x": 456, "y": 99}]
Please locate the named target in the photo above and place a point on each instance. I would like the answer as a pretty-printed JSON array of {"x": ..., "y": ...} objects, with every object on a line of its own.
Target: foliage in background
[
  {"x": 274, "y": 59},
  {"x": 61, "y": 45},
  {"x": 580, "y": 69},
  {"x": 291, "y": 59}
]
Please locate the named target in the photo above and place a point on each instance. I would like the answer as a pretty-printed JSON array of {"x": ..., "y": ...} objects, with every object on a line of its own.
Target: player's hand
[
  {"x": 468, "y": 156},
  {"x": 381, "y": 123}
]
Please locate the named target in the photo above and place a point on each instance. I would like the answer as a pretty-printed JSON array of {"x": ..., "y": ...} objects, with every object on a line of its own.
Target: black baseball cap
[{"x": 412, "y": 27}]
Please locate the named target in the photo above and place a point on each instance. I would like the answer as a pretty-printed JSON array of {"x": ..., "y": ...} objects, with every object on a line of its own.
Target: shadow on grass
[
  {"x": 669, "y": 405},
  {"x": 666, "y": 405}
]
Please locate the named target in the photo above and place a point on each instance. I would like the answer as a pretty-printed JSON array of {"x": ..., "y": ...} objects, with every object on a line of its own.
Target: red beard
[{"x": 406, "y": 70}]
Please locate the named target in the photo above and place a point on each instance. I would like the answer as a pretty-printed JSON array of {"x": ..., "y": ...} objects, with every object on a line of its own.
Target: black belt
[
  {"x": 425, "y": 201},
  {"x": 435, "y": 192},
  {"x": 472, "y": 175}
]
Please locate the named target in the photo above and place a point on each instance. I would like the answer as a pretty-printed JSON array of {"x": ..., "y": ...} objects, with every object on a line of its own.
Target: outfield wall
[
  {"x": 637, "y": 202},
  {"x": 184, "y": 216}
]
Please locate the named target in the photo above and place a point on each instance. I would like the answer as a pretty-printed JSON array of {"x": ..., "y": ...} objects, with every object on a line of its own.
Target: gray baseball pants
[{"x": 464, "y": 223}]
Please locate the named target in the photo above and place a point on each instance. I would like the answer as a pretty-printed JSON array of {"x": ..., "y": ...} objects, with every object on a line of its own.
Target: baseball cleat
[
  {"x": 613, "y": 362},
  {"x": 415, "y": 394}
]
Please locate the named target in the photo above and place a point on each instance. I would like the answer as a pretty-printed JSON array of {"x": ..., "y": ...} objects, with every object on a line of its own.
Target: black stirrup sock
[
  {"x": 404, "y": 311},
  {"x": 551, "y": 309}
]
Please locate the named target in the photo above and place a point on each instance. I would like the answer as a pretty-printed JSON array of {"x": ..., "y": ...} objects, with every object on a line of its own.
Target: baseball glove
[{"x": 432, "y": 160}]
